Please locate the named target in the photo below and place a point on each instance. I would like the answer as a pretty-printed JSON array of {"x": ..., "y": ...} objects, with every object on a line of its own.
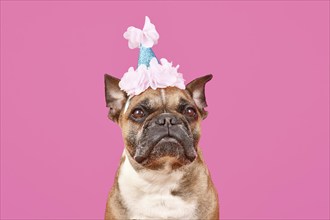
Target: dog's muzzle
[{"x": 165, "y": 130}]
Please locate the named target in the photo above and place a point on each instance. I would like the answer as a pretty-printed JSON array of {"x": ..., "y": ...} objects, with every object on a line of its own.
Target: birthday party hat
[{"x": 150, "y": 73}]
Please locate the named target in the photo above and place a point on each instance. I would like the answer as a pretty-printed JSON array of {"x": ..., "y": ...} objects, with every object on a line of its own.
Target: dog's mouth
[
  {"x": 177, "y": 146},
  {"x": 168, "y": 139}
]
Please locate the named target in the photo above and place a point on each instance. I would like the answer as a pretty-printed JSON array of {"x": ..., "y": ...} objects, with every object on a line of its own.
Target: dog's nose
[{"x": 167, "y": 119}]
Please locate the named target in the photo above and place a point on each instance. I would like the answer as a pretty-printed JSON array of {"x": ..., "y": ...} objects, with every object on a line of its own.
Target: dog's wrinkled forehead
[{"x": 166, "y": 98}]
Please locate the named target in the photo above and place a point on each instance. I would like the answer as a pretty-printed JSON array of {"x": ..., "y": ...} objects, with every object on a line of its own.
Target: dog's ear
[
  {"x": 115, "y": 98},
  {"x": 196, "y": 89}
]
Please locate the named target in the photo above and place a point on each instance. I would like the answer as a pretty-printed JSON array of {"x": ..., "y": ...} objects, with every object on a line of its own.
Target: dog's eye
[
  {"x": 190, "y": 112},
  {"x": 138, "y": 113}
]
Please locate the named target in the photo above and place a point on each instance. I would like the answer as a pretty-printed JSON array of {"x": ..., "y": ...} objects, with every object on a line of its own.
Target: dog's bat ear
[
  {"x": 115, "y": 98},
  {"x": 196, "y": 89}
]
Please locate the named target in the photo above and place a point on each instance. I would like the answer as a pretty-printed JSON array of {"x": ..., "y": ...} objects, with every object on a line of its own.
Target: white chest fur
[{"x": 147, "y": 194}]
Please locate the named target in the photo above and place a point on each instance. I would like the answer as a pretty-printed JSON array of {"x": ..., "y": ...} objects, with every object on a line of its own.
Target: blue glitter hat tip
[{"x": 145, "y": 56}]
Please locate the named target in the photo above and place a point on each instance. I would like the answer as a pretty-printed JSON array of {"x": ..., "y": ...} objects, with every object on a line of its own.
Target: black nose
[{"x": 167, "y": 119}]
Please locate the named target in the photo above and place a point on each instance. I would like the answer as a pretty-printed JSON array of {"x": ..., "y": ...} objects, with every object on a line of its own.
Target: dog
[{"x": 161, "y": 174}]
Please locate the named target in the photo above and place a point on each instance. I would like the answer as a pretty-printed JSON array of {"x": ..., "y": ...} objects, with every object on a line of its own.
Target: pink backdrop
[{"x": 265, "y": 140}]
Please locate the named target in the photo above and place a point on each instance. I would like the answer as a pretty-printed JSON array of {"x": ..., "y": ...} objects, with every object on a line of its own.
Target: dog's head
[{"x": 159, "y": 126}]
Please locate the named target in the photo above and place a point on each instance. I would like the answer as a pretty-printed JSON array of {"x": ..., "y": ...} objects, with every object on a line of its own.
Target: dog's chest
[{"x": 148, "y": 195}]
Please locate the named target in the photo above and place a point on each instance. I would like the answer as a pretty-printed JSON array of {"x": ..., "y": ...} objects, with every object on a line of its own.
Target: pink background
[{"x": 265, "y": 141}]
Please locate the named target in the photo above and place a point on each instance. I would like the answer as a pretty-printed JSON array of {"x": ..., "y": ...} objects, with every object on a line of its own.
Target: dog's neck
[
  {"x": 163, "y": 177},
  {"x": 149, "y": 193}
]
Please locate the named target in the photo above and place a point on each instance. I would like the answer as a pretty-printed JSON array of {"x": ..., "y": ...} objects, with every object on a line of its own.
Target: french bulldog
[{"x": 162, "y": 174}]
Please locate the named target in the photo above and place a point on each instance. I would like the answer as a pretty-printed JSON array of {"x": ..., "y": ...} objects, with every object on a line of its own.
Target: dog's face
[{"x": 160, "y": 127}]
